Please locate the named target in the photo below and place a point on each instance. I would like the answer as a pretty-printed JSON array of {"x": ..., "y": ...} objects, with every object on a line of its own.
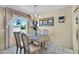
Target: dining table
[{"x": 41, "y": 40}]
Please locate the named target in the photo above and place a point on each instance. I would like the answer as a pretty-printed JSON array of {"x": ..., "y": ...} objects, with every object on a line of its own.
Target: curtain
[
  {"x": 2, "y": 28},
  {"x": 9, "y": 14}
]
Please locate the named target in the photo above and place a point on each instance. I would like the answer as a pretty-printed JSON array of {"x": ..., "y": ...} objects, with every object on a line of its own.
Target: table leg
[
  {"x": 43, "y": 45},
  {"x": 31, "y": 41}
]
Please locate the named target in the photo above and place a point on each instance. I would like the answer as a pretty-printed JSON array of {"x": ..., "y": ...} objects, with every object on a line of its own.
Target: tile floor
[{"x": 51, "y": 49}]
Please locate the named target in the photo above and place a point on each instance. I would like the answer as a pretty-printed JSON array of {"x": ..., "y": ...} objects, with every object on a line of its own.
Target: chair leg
[
  {"x": 17, "y": 50},
  {"x": 24, "y": 51},
  {"x": 32, "y": 42},
  {"x": 20, "y": 50},
  {"x": 41, "y": 48}
]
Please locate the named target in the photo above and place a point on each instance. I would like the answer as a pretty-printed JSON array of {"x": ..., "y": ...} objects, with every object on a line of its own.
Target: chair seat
[{"x": 34, "y": 48}]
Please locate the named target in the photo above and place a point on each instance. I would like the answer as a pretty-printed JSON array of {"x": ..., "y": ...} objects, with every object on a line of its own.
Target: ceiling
[{"x": 40, "y": 8}]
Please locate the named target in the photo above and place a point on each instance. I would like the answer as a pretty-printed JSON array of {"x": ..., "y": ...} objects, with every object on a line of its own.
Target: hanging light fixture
[{"x": 35, "y": 15}]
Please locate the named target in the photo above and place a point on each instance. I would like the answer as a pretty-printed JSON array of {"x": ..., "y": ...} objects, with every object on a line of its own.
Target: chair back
[
  {"x": 25, "y": 41},
  {"x": 38, "y": 32},
  {"x": 17, "y": 38},
  {"x": 45, "y": 32}
]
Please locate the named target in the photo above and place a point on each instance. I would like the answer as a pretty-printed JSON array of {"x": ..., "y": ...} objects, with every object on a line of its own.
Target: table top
[{"x": 43, "y": 38}]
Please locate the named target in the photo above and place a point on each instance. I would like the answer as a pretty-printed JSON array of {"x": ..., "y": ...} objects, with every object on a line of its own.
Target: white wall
[{"x": 60, "y": 33}]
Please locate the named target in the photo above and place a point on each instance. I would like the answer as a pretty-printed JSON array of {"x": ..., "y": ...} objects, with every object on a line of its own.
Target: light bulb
[
  {"x": 35, "y": 15},
  {"x": 39, "y": 16}
]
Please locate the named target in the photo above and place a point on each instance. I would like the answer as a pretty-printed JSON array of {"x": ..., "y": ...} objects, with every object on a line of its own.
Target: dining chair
[
  {"x": 38, "y": 32},
  {"x": 45, "y": 32},
  {"x": 19, "y": 43},
  {"x": 29, "y": 48}
]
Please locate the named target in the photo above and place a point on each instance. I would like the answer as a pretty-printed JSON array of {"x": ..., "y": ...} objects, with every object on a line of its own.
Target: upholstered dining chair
[
  {"x": 45, "y": 32},
  {"x": 38, "y": 32},
  {"x": 29, "y": 48},
  {"x": 19, "y": 43}
]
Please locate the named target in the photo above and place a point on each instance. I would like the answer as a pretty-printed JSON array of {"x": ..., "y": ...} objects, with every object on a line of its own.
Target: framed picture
[
  {"x": 40, "y": 22},
  {"x": 51, "y": 22},
  {"x": 61, "y": 19},
  {"x": 46, "y": 21}
]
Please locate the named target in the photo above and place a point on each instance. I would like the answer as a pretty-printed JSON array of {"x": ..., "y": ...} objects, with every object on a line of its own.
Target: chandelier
[{"x": 35, "y": 15}]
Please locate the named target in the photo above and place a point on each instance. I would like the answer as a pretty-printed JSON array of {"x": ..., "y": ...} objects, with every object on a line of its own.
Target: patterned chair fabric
[{"x": 28, "y": 48}]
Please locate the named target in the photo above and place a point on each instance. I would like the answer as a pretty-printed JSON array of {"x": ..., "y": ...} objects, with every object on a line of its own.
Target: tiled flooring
[{"x": 51, "y": 49}]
